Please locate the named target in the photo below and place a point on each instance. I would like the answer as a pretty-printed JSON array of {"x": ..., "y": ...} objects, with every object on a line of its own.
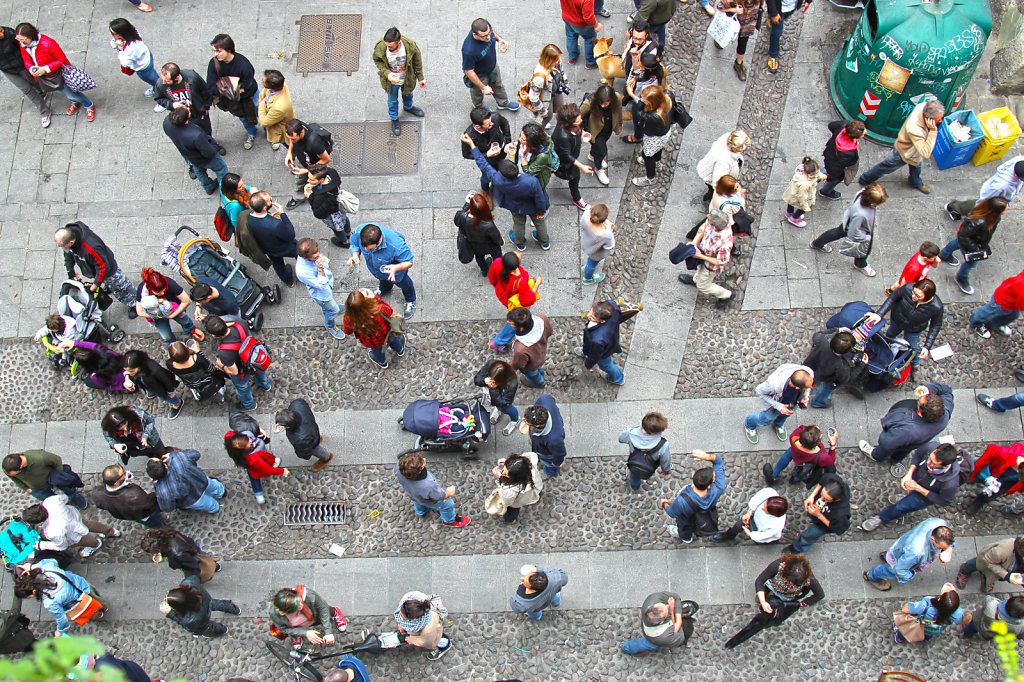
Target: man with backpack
[
  {"x": 695, "y": 508},
  {"x": 308, "y": 144},
  {"x": 240, "y": 355},
  {"x": 648, "y": 449}
]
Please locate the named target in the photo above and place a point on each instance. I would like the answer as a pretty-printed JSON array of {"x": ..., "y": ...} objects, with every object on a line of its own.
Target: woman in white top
[
  {"x": 545, "y": 91},
  {"x": 764, "y": 521},
  {"x": 132, "y": 53},
  {"x": 596, "y": 240},
  {"x": 724, "y": 158},
  {"x": 519, "y": 483},
  {"x": 61, "y": 526}
]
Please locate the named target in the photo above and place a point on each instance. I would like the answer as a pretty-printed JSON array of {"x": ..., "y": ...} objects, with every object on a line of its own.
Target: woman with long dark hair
[
  {"x": 421, "y": 618},
  {"x": 159, "y": 300},
  {"x": 182, "y": 553},
  {"x": 519, "y": 483},
  {"x": 500, "y": 380},
  {"x": 533, "y": 153},
  {"x": 476, "y": 225},
  {"x": 42, "y": 57},
  {"x": 131, "y": 432},
  {"x": 99, "y": 366},
  {"x": 202, "y": 377},
  {"x": 191, "y": 606},
  {"x": 367, "y": 317},
  {"x": 234, "y": 196},
  {"x": 144, "y": 372},
  {"x": 973, "y": 239},
  {"x": 935, "y": 614},
  {"x": 133, "y": 54},
  {"x": 515, "y": 289},
  {"x": 602, "y": 116},
  {"x": 568, "y": 140},
  {"x": 654, "y": 124},
  {"x": 784, "y": 587}
]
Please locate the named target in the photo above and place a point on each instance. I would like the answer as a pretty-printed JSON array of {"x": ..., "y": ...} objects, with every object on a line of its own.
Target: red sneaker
[
  {"x": 198, "y": 334},
  {"x": 339, "y": 619},
  {"x": 459, "y": 522},
  {"x": 90, "y": 113},
  {"x": 73, "y": 109}
]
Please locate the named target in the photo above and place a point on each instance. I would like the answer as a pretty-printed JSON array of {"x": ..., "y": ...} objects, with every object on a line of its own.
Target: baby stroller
[
  {"x": 199, "y": 257},
  {"x": 889, "y": 360},
  {"x": 460, "y": 424},
  {"x": 81, "y": 305}
]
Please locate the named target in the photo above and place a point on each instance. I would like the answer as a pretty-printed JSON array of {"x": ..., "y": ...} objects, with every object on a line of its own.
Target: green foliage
[
  {"x": 1006, "y": 646},
  {"x": 52, "y": 659}
]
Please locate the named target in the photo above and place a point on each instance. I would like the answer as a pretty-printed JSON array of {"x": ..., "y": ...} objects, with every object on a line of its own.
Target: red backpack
[{"x": 251, "y": 351}]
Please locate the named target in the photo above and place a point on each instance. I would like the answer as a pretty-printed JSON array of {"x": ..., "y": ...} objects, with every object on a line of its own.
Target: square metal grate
[
  {"x": 371, "y": 148},
  {"x": 311, "y": 513},
  {"x": 329, "y": 43}
]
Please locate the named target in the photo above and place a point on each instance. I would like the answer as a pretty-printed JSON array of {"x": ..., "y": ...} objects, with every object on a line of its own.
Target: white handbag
[{"x": 724, "y": 28}]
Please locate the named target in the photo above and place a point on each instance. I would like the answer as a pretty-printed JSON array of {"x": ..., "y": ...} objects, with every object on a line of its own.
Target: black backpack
[
  {"x": 966, "y": 465},
  {"x": 318, "y": 131},
  {"x": 640, "y": 463},
  {"x": 705, "y": 521}
]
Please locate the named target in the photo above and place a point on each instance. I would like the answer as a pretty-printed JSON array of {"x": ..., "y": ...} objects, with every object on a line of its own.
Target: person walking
[
  {"x": 580, "y": 22},
  {"x": 85, "y": 250},
  {"x": 180, "y": 484},
  {"x": 300, "y": 612},
  {"x": 748, "y": 13},
  {"x": 59, "y": 590},
  {"x": 309, "y": 144},
  {"x": 400, "y": 67},
  {"x": 126, "y": 500},
  {"x": 388, "y": 258},
  {"x": 61, "y": 526},
  {"x": 785, "y": 586},
  {"x": 654, "y": 125},
  {"x": 917, "y": 268},
  {"x": 724, "y": 158},
  {"x": 601, "y": 340},
  {"x": 132, "y": 54},
  {"x": 161, "y": 299},
  {"x": 713, "y": 244},
  {"x": 932, "y": 478},
  {"x": 300, "y": 427},
  {"x": 498, "y": 377},
  {"x": 695, "y": 508},
  {"x": 275, "y": 107},
  {"x": 568, "y": 140},
  {"x": 130, "y": 431},
  {"x": 805, "y": 447},
  {"x": 914, "y": 143},
  {"x": 829, "y": 506},
  {"x": 858, "y": 227},
  {"x": 841, "y": 155},
  {"x": 182, "y": 553},
  {"x": 191, "y": 606},
  {"x": 231, "y": 83},
  {"x": 273, "y": 231},
  {"x": 1006, "y": 182},
  {"x": 1003, "y": 308},
  {"x": 197, "y": 147},
  {"x": 42, "y": 474},
  {"x": 179, "y": 87},
  {"x": 519, "y": 483},
  {"x": 913, "y": 552},
  {"x": 142, "y": 372},
  {"x": 832, "y": 359},
  {"x": 530, "y": 348},
  {"x": 1002, "y": 466},
  {"x": 515, "y": 289},
  {"x": 543, "y": 423},
  {"x": 480, "y": 65},
  {"x": 539, "y": 588},
  {"x": 424, "y": 490},
  {"x": 602, "y": 117},
  {"x": 648, "y": 450},
  {"x": 1001, "y": 561},
  {"x": 1009, "y": 611},
  {"x": 45, "y": 61},
  {"x": 368, "y": 318},
  {"x": 312, "y": 268},
  {"x": 476, "y": 226},
  {"x": 323, "y": 191},
  {"x": 778, "y": 11},
  {"x": 16, "y": 71},
  {"x": 546, "y": 89},
  {"x": 910, "y": 424},
  {"x": 196, "y": 371},
  {"x": 764, "y": 521},
  {"x": 420, "y": 617},
  {"x": 782, "y": 393},
  {"x": 250, "y": 451},
  {"x": 799, "y": 195},
  {"x": 973, "y": 239},
  {"x": 666, "y": 622},
  {"x": 935, "y": 614}
]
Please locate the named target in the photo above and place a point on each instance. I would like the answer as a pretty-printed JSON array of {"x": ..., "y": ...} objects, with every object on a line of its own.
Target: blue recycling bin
[{"x": 948, "y": 152}]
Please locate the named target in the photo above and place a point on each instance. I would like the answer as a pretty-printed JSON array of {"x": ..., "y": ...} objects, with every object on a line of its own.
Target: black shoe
[
  {"x": 833, "y": 195},
  {"x": 210, "y": 190},
  {"x": 1019, "y": 374},
  {"x": 132, "y": 313},
  {"x": 789, "y": 549},
  {"x": 221, "y": 150},
  {"x": 952, "y": 260},
  {"x": 192, "y": 172},
  {"x": 855, "y": 392},
  {"x": 686, "y": 278},
  {"x": 239, "y": 405},
  {"x": 720, "y": 537},
  {"x": 415, "y": 111},
  {"x": 293, "y": 202},
  {"x": 723, "y": 303},
  {"x": 338, "y": 242},
  {"x": 793, "y": 479},
  {"x": 974, "y": 507},
  {"x": 396, "y": 127},
  {"x": 767, "y": 471},
  {"x": 953, "y": 215}
]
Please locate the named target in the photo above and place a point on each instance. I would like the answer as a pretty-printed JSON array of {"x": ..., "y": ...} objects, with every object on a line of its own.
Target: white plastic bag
[{"x": 724, "y": 28}]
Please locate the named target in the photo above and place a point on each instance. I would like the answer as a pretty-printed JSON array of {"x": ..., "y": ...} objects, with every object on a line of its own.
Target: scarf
[
  {"x": 784, "y": 588},
  {"x": 415, "y": 625},
  {"x": 845, "y": 144},
  {"x": 533, "y": 336}
]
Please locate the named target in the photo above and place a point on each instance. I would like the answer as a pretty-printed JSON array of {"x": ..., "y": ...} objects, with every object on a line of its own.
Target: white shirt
[
  {"x": 396, "y": 61},
  {"x": 769, "y": 528}
]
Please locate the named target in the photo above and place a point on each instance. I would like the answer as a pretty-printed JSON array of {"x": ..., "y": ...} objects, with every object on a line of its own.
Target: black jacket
[
  {"x": 828, "y": 367},
  {"x": 484, "y": 240},
  {"x": 184, "y": 554},
  {"x": 94, "y": 260},
  {"x": 306, "y": 436},
  {"x": 500, "y": 397},
  {"x": 128, "y": 503},
  {"x": 276, "y": 236},
  {"x": 942, "y": 486},
  {"x": 838, "y": 512},
  {"x": 192, "y": 89},
  {"x": 324, "y": 197},
  {"x": 499, "y": 133},
  {"x": 974, "y": 235},
  {"x": 811, "y": 594},
  {"x": 10, "y": 52},
  {"x": 650, "y": 124},
  {"x": 914, "y": 317},
  {"x": 835, "y": 160},
  {"x": 156, "y": 379},
  {"x": 194, "y": 145},
  {"x": 567, "y": 146}
]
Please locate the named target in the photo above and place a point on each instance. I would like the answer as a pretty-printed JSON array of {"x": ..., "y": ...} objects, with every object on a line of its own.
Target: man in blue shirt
[
  {"x": 696, "y": 506},
  {"x": 913, "y": 552},
  {"x": 388, "y": 258},
  {"x": 480, "y": 65},
  {"x": 311, "y": 268}
]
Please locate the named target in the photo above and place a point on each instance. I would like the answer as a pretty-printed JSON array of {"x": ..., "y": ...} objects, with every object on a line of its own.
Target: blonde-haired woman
[
  {"x": 724, "y": 158},
  {"x": 546, "y": 86},
  {"x": 654, "y": 126}
]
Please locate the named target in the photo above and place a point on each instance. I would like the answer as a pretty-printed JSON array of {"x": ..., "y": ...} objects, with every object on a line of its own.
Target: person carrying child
[{"x": 801, "y": 193}]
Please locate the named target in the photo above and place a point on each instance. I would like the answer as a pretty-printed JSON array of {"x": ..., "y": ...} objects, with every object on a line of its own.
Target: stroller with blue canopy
[
  {"x": 889, "y": 360},
  {"x": 456, "y": 425}
]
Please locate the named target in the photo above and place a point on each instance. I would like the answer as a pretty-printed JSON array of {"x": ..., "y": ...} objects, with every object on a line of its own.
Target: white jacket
[
  {"x": 769, "y": 528},
  {"x": 513, "y": 496},
  {"x": 770, "y": 390},
  {"x": 135, "y": 55},
  {"x": 1004, "y": 183},
  {"x": 719, "y": 161},
  {"x": 63, "y": 526}
]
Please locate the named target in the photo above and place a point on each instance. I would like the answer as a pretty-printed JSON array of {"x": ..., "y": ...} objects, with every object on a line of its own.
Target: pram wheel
[
  {"x": 255, "y": 321},
  {"x": 116, "y": 334},
  {"x": 273, "y": 295},
  {"x": 469, "y": 451}
]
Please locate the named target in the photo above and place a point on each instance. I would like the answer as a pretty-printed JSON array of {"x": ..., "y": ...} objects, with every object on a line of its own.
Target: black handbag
[
  {"x": 465, "y": 252},
  {"x": 975, "y": 256},
  {"x": 51, "y": 82},
  {"x": 742, "y": 222},
  {"x": 64, "y": 478},
  {"x": 809, "y": 473}
]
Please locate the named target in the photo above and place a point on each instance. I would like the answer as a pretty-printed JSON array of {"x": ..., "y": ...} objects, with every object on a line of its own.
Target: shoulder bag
[
  {"x": 853, "y": 249},
  {"x": 64, "y": 478},
  {"x": 465, "y": 251},
  {"x": 347, "y": 202},
  {"x": 76, "y": 79},
  {"x": 811, "y": 472},
  {"x": 494, "y": 504},
  {"x": 85, "y": 609},
  {"x": 523, "y": 95},
  {"x": 909, "y": 626},
  {"x": 396, "y": 324},
  {"x": 51, "y": 82}
]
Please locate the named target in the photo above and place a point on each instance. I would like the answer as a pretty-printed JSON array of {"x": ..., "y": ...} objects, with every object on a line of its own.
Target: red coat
[
  {"x": 1010, "y": 294},
  {"x": 48, "y": 54},
  {"x": 998, "y": 459},
  {"x": 261, "y": 463},
  {"x": 515, "y": 285}
]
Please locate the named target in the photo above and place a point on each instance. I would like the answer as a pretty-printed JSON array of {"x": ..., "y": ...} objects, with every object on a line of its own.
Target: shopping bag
[{"x": 724, "y": 28}]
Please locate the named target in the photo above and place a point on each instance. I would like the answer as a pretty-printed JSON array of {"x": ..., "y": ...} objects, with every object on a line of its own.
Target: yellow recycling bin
[{"x": 1001, "y": 131}]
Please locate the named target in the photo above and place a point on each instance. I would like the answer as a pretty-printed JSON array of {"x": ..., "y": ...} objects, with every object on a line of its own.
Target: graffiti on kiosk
[
  {"x": 964, "y": 47},
  {"x": 878, "y": 89},
  {"x": 889, "y": 43},
  {"x": 906, "y": 106}
]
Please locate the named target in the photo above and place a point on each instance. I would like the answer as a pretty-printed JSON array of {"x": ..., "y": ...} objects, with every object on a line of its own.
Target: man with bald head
[
  {"x": 785, "y": 389},
  {"x": 95, "y": 262}
]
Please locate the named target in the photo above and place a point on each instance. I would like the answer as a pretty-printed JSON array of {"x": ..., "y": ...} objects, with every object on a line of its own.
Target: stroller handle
[
  {"x": 184, "y": 228},
  {"x": 45, "y": 340}
]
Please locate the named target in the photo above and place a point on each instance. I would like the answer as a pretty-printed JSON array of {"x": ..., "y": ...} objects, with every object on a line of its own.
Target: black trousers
[{"x": 763, "y": 620}]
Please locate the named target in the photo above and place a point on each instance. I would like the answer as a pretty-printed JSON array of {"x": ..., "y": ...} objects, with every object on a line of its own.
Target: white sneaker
[
  {"x": 44, "y": 120},
  {"x": 510, "y": 428},
  {"x": 866, "y": 447},
  {"x": 260, "y": 499},
  {"x": 602, "y": 176},
  {"x": 150, "y": 92},
  {"x": 87, "y": 552},
  {"x": 495, "y": 415},
  {"x": 159, "y": 108},
  {"x": 643, "y": 181},
  {"x": 871, "y": 524},
  {"x": 1004, "y": 330}
]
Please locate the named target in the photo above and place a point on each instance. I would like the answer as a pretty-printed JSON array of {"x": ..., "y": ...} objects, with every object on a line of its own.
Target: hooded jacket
[
  {"x": 837, "y": 161},
  {"x": 1004, "y": 183},
  {"x": 557, "y": 579},
  {"x": 680, "y": 508},
  {"x": 636, "y": 439},
  {"x": 998, "y": 459},
  {"x": 914, "y": 551},
  {"x": 306, "y": 436},
  {"x": 530, "y": 356},
  {"x": 827, "y": 366},
  {"x": 942, "y": 486},
  {"x": 770, "y": 390},
  {"x": 903, "y": 428},
  {"x": 94, "y": 259},
  {"x": 549, "y": 441},
  {"x": 912, "y": 316}
]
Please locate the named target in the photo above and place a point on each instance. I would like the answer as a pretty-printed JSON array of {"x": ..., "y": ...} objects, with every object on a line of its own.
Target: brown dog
[{"x": 608, "y": 63}]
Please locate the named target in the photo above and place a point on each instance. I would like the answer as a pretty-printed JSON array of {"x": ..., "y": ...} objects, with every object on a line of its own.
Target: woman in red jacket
[
  {"x": 42, "y": 55},
  {"x": 515, "y": 289},
  {"x": 251, "y": 454},
  {"x": 368, "y": 317}
]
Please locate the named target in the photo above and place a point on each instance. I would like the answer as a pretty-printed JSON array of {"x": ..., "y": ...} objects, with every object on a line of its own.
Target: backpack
[
  {"x": 17, "y": 542},
  {"x": 251, "y": 351},
  {"x": 555, "y": 161},
  {"x": 324, "y": 134},
  {"x": 966, "y": 465},
  {"x": 705, "y": 521},
  {"x": 222, "y": 223},
  {"x": 640, "y": 463}
]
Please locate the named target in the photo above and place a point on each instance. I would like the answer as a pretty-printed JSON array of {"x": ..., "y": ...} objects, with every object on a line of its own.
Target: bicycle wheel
[{"x": 288, "y": 657}]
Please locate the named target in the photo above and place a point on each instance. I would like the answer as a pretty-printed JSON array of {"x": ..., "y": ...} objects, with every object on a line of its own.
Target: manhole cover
[
  {"x": 309, "y": 513},
  {"x": 329, "y": 43},
  {"x": 371, "y": 148}
]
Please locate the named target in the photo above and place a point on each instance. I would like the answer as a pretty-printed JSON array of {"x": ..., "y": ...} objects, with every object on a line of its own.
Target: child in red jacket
[
  {"x": 253, "y": 455},
  {"x": 1002, "y": 464},
  {"x": 918, "y": 266}
]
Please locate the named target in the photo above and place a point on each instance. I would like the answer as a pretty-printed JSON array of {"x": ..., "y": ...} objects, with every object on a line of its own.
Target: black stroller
[
  {"x": 457, "y": 425},
  {"x": 889, "y": 360}
]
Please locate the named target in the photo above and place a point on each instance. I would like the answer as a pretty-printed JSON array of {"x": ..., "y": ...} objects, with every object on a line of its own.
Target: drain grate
[
  {"x": 310, "y": 513},
  {"x": 329, "y": 43},
  {"x": 371, "y": 148}
]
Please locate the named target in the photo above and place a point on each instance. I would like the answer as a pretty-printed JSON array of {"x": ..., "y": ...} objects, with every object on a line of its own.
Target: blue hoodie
[{"x": 680, "y": 508}]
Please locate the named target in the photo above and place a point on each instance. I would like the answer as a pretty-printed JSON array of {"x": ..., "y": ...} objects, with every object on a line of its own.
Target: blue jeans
[
  {"x": 255, "y": 484},
  {"x": 1010, "y": 403},
  {"x": 590, "y": 268},
  {"x": 635, "y": 482},
  {"x": 572, "y": 44},
  {"x": 550, "y": 468},
  {"x": 764, "y": 418},
  {"x": 252, "y": 129},
  {"x": 244, "y": 390},
  {"x": 330, "y": 308},
  {"x": 217, "y": 165},
  {"x": 775, "y": 37},
  {"x": 78, "y": 97},
  {"x": 882, "y": 572},
  {"x": 505, "y": 336},
  {"x": 910, "y": 502},
  {"x": 397, "y": 343},
  {"x": 614, "y": 373},
  {"x": 404, "y": 283},
  {"x": 208, "y": 502},
  {"x": 511, "y": 411},
  {"x": 807, "y": 538},
  {"x": 913, "y": 338},
  {"x": 821, "y": 396},
  {"x": 888, "y": 165},
  {"x": 535, "y": 376},
  {"x": 446, "y": 507},
  {"x": 149, "y": 74},
  {"x": 784, "y": 461},
  {"x": 537, "y": 615},
  {"x": 74, "y": 496},
  {"x": 163, "y": 327},
  {"x": 393, "y": 93},
  {"x": 154, "y": 520},
  {"x": 659, "y": 31},
  {"x": 964, "y": 273},
  {"x": 993, "y": 315},
  {"x": 176, "y": 400},
  {"x": 638, "y": 646}
]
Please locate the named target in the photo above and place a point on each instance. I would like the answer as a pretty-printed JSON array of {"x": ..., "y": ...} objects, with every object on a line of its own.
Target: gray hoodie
[
  {"x": 638, "y": 440},
  {"x": 557, "y": 579}
]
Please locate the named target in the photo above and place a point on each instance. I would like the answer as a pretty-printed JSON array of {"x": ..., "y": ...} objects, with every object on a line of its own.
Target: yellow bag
[{"x": 513, "y": 300}]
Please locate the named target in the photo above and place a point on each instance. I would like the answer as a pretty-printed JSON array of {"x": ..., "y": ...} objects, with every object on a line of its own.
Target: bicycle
[{"x": 300, "y": 661}]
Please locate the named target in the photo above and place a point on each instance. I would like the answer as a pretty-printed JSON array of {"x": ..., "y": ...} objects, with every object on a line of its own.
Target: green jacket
[
  {"x": 35, "y": 475},
  {"x": 413, "y": 65},
  {"x": 319, "y": 608},
  {"x": 656, "y": 12},
  {"x": 540, "y": 165}
]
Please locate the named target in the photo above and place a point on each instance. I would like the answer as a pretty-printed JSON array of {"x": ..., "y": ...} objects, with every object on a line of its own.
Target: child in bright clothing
[
  {"x": 248, "y": 447},
  {"x": 802, "y": 190},
  {"x": 918, "y": 266}
]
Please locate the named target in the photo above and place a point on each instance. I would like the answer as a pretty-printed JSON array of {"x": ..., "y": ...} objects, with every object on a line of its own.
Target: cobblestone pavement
[{"x": 832, "y": 640}]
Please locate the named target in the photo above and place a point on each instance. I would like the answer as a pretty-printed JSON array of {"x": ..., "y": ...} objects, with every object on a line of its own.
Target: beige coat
[
  {"x": 802, "y": 190},
  {"x": 915, "y": 141},
  {"x": 996, "y": 560},
  {"x": 428, "y": 637},
  {"x": 512, "y": 496},
  {"x": 719, "y": 161},
  {"x": 275, "y": 112}
]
